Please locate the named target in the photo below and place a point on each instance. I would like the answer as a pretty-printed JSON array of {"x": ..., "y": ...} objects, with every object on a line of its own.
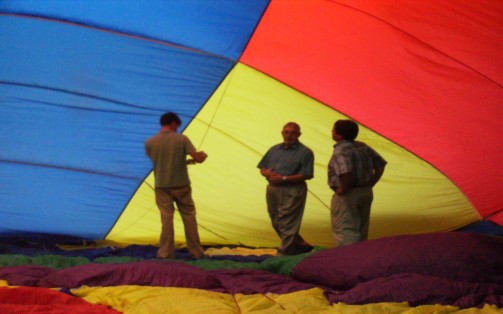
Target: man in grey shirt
[
  {"x": 286, "y": 167},
  {"x": 168, "y": 151}
]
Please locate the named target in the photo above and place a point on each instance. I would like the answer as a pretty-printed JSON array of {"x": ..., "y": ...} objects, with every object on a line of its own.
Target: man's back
[
  {"x": 359, "y": 159},
  {"x": 168, "y": 152},
  {"x": 364, "y": 160}
]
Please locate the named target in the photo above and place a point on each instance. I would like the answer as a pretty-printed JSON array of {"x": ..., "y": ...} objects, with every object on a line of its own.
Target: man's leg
[
  {"x": 273, "y": 193},
  {"x": 166, "y": 242},
  {"x": 345, "y": 219},
  {"x": 290, "y": 213},
  {"x": 365, "y": 202},
  {"x": 185, "y": 203}
]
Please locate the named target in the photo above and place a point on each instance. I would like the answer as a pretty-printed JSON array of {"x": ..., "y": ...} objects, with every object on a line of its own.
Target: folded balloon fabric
[
  {"x": 142, "y": 299},
  {"x": 460, "y": 270},
  {"x": 42, "y": 300}
]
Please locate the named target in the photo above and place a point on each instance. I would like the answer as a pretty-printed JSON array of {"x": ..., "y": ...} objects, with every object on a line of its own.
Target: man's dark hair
[
  {"x": 170, "y": 117},
  {"x": 348, "y": 129}
]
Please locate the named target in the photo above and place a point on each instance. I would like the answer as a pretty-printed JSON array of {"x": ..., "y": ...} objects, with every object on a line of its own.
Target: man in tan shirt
[{"x": 168, "y": 151}]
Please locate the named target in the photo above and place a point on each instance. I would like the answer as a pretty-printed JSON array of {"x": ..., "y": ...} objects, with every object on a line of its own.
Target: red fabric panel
[
  {"x": 43, "y": 300},
  {"x": 425, "y": 74},
  {"x": 498, "y": 218}
]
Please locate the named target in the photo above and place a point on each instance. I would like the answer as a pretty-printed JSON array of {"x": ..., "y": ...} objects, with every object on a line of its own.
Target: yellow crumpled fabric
[{"x": 151, "y": 300}]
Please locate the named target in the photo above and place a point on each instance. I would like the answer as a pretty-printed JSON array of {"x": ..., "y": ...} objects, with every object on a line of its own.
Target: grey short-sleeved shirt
[
  {"x": 298, "y": 159},
  {"x": 168, "y": 151}
]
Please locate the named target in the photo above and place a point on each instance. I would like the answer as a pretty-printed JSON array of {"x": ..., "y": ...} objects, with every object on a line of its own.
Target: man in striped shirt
[{"x": 352, "y": 172}]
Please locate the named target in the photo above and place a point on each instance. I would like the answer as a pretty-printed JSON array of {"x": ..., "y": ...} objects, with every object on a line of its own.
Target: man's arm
[
  {"x": 267, "y": 172},
  {"x": 147, "y": 149},
  {"x": 377, "y": 175},
  {"x": 198, "y": 157},
  {"x": 345, "y": 180}
]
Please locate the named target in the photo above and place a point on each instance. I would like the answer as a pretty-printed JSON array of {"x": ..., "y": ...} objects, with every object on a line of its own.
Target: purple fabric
[
  {"x": 420, "y": 289},
  {"x": 154, "y": 273},
  {"x": 145, "y": 273},
  {"x": 248, "y": 281},
  {"x": 460, "y": 269},
  {"x": 457, "y": 256},
  {"x": 28, "y": 275}
]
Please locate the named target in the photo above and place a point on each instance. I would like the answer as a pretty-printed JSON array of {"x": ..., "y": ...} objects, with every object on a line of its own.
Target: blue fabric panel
[
  {"x": 221, "y": 27},
  {"x": 76, "y": 105},
  {"x": 59, "y": 201},
  {"x": 486, "y": 227}
]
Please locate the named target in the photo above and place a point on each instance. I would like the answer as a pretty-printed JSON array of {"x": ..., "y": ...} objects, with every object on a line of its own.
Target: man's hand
[
  {"x": 275, "y": 179},
  {"x": 345, "y": 180},
  {"x": 197, "y": 157},
  {"x": 267, "y": 173}
]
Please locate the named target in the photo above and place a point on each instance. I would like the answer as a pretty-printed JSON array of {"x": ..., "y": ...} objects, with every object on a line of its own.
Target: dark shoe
[
  {"x": 301, "y": 249},
  {"x": 197, "y": 256},
  {"x": 162, "y": 257},
  {"x": 305, "y": 249}
]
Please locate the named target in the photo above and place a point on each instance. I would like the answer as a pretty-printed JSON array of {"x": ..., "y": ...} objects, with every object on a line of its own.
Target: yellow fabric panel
[
  {"x": 4, "y": 283},
  {"x": 305, "y": 301},
  {"x": 140, "y": 299},
  {"x": 242, "y": 251},
  {"x": 390, "y": 308},
  {"x": 148, "y": 300},
  {"x": 257, "y": 303},
  {"x": 487, "y": 309},
  {"x": 140, "y": 222},
  {"x": 393, "y": 308},
  {"x": 238, "y": 124},
  {"x": 152, "y": 300},
  {"x": 403, "y": 308}
]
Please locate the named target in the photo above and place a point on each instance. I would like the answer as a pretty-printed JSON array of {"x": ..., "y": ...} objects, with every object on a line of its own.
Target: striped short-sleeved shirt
[{"x": 355, "y": 157}]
